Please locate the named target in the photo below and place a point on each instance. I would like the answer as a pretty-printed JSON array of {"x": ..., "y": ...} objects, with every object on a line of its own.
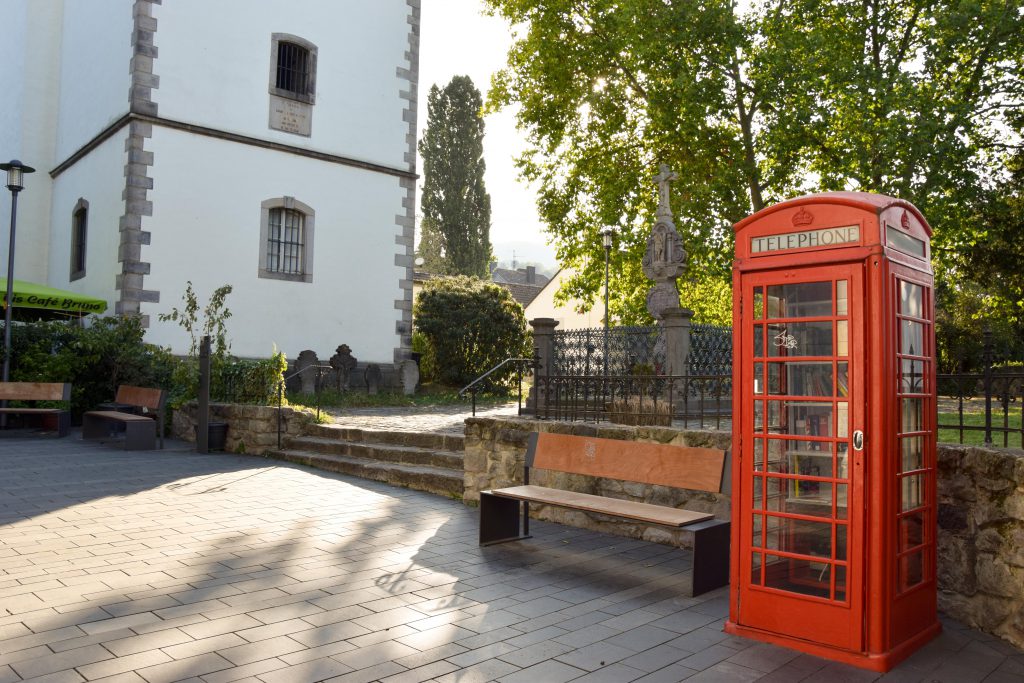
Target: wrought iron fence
[
  {"x": 989, "y": 404},
  {"x": 620, "y": 351},
  {"x": 710, "y": 350},
  {"x": 694, "y": 401}
]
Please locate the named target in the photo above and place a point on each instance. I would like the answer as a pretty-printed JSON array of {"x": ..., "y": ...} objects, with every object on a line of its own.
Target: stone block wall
[
  {"x": 496, "y": 449},
  {"x": 981, "y": 538},
  {"x": 980, "y": 520},
  {"x": 251, "y": 429}
]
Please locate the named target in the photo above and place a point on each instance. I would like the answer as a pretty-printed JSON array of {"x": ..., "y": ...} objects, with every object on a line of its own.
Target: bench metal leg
[
  {"x": 499, "y": 519},
  {"x": 140, "y": 436},
  {"x": 710, "y": 555}
]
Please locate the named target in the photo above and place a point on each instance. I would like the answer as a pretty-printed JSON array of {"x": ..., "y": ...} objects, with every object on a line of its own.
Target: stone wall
[
  {"x": 981, "y": 538},
  {"x": 980, "y": 496},
  {"x": 251, "y": 429},
  {"x": 496, "y": 448}
]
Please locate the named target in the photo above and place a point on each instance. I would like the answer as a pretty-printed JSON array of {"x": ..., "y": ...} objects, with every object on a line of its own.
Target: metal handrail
[
  {"x": 472, "y": 391},
  {"x": 320, "y": 368}
]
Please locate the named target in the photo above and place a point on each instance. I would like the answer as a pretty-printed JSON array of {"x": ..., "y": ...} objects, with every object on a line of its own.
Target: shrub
[
  {"x": 94, "y": 359},
  {"x": 470, "y": 326}
]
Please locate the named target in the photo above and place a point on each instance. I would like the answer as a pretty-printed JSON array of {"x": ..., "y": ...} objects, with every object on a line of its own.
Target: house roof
[
  {"x": 521, "y": 276},
  {"x": 521, "y": 292}
]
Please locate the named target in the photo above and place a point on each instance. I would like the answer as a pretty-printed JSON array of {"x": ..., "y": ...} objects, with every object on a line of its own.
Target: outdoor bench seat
[
  {"x": 504, "y": 512},
  {"x": 39, "y": 391},
  {"x": 141, "y": 425}
]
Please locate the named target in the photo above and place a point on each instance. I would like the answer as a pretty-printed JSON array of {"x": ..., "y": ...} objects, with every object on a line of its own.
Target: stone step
[
  {"x": 445, "y": 442},
  {"x": 441, "y": 481},
  {"x": 406, "y": 455}
]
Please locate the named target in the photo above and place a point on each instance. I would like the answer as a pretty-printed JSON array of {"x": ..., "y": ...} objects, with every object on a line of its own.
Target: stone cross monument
[
  {"x": 664, "y": 262},
  {"x": 665, "y": 259}
]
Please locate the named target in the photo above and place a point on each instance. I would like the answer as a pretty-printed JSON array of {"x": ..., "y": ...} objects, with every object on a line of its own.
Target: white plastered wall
[
  {"x": 206, "y": 226},
  {"x": 30, "y": 49},
  {"x": 94, "y": 75},
  {"x": 98, "y": 179},
  {"x": 214, "y": 69}
]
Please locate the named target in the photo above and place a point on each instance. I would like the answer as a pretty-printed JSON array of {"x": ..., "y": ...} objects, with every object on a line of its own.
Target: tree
[
  {"x": 456, "y": 224},
  {"x": 470, "y": 326},
  {"x": 901, "y": 97}
]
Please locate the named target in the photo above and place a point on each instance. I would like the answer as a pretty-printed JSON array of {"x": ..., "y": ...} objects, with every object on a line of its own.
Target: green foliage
[
  {"x": 231, "y": 379},
  {"x": 456, "y": 221},
  {"x": 249, "y": 381},
  {"x": 994, "y": 259},
  {"x": 901, "y": 97},
  {"x": 963, "y": 311},
  {"x": 470, "y": 326},
  {"x": 94, "y": 359},
  {"x": 215, "y": 315},
  {"x": 428, "y": 363}
]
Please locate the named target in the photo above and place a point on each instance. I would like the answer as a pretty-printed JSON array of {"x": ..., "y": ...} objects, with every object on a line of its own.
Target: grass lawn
[{"x": 974, "y": 416}]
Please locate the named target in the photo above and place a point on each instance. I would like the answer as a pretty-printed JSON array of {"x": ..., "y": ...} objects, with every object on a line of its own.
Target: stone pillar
[
  {"x": 544, "y": 342},
  {"x": 675, "y": 326}
]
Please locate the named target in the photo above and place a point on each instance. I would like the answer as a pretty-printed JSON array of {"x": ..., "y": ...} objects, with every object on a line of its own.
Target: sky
[{"x": 457, "y": 39}]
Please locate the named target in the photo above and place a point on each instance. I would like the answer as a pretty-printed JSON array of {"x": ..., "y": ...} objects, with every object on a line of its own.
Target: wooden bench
[
  {"x": 504, "y": 513},
  {"x": 39, "y": 391},
  {"x": 141, "y": 425}
]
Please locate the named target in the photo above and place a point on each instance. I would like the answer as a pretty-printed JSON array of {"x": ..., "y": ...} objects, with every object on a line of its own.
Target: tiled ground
[{"x": 163, "y": 566}]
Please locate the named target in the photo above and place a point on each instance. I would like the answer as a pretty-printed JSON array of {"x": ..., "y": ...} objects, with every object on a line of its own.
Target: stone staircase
[{"x": 416, "y": 460}]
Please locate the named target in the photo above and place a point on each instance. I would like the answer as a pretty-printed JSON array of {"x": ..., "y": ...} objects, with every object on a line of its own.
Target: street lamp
[
  {"x": 15, "y": 183},
  {"x": 606, "y": 239}
]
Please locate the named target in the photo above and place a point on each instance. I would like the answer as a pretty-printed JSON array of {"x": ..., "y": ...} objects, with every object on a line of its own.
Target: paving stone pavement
[
  {"x": 448, "y": 419},
  {"x": 159, "y": 566}
]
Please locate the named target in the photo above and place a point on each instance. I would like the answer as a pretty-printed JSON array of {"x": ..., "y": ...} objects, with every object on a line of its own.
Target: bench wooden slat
[
  {"x": 32, "y": 411},
  {"x": 117, "y": 416},
  {"x": 682, "y": 467},
  {"x": 35, "y": 391},
  {"x": 140, "y": 396},
  {"x": 643, "y": 512}
]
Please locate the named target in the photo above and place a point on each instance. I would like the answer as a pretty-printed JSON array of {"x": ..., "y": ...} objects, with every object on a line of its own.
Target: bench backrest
[
  {"x": 153, "y": 399},
  {"x": 685, "y": 467},
  {"x": 35, "y": 391}
]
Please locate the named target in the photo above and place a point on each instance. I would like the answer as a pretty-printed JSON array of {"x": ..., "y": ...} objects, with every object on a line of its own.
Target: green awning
[{"x": 31, "y": 295}]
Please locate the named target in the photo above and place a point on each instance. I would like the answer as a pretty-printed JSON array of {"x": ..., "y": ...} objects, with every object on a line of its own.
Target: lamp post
[
  {"x": 606, "y": 239},
  {"x": 15, "y": 183}
]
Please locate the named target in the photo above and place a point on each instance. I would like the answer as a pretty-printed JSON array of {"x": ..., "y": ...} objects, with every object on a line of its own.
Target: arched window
[
  {"x": 286, "y": 240},
  {"x": 79, "y": 237}
]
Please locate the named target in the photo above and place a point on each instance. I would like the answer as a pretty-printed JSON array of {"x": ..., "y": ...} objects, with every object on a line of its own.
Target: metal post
[
  {"x": 987, "y": 380},
  {"x": 607, "y": 254},
  {"x": 10, "y": 287},
  {"x": 280, "y": 401},
  {"x": 203, "y": 418}
]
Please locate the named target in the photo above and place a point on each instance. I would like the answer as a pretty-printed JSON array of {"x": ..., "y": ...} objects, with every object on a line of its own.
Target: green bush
[
  {"x": 470, "y": 326},
  {"x": 428, "y": 364},
  {"x": 254, "y": 382},
  {"x": 94, "y": 359}
]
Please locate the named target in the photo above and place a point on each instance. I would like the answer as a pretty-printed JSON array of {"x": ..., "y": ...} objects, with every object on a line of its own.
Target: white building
[
  {"x": 569, "y": 314},
  {"x": 267, "y": 145}
]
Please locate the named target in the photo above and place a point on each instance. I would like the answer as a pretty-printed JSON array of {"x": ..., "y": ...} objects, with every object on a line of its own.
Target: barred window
[
  {"x": 293, "y": 67},
  {"x": 285, "y": 243},
  {"x": 79, "y": 236},
  {"x": 286, "y": 240}
]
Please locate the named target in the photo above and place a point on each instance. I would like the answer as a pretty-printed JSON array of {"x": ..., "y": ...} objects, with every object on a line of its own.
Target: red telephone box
[{"x": 833, "y": 520}]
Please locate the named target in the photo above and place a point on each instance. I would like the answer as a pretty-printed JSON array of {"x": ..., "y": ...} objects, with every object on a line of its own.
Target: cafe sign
[{"x": 806, "y": 239}]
